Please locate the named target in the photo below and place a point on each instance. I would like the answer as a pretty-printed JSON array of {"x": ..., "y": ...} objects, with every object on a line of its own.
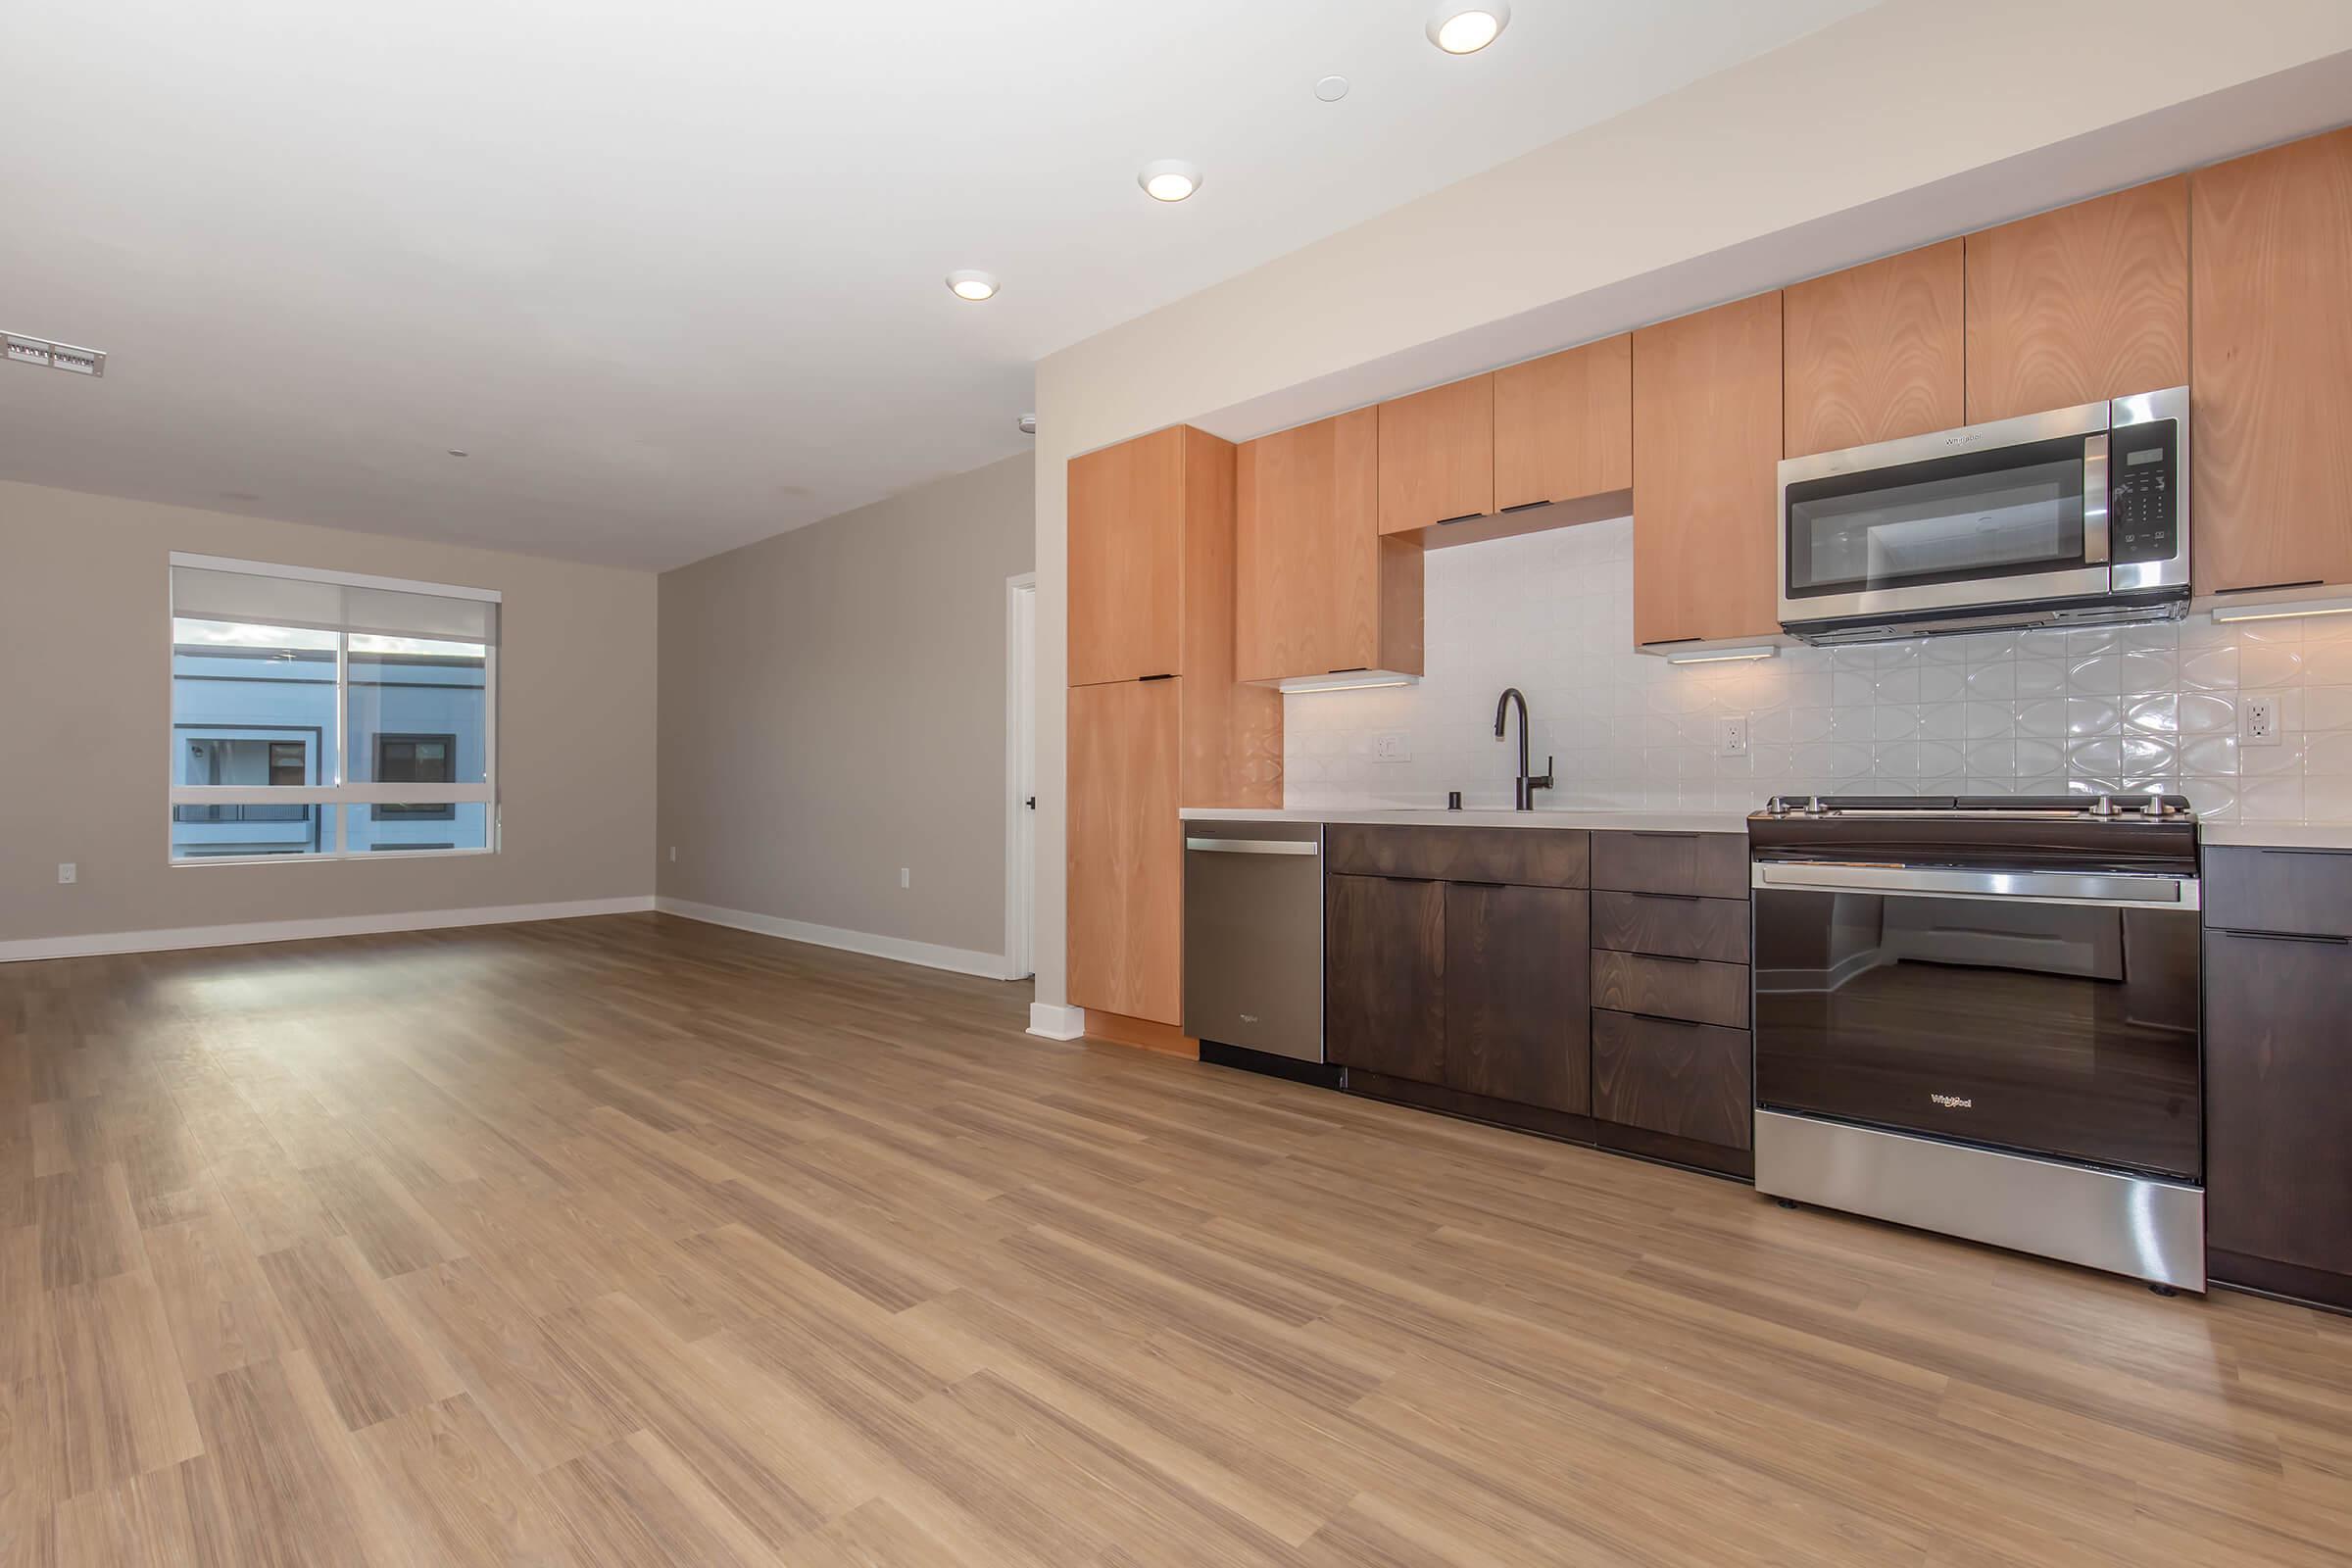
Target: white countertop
[
  {"x": 2274, "y": 836},
  {"x": 1436, "y": 816},
  {"x": 2221, "y": 835}
]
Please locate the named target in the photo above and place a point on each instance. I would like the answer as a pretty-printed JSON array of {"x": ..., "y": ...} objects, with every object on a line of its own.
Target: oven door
[
  {"x": 2047, "y": 1014},
  {"x": 1997, "y": 514}
]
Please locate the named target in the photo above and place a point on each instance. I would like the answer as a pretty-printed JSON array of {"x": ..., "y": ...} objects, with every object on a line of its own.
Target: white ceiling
[{"x": 673, "y": 272}]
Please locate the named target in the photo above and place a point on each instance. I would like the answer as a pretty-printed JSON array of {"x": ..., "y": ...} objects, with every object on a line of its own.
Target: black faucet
[{"x": 1524, "y": 787}]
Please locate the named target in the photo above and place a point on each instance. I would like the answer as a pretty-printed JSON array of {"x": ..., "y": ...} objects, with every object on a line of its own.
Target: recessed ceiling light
[
  {"x": 1331, "y": 90},
  {"x": 970, "y": 286},
  {"x": 1168, "y": 179},
  {"x": 1465, "y": 29}
]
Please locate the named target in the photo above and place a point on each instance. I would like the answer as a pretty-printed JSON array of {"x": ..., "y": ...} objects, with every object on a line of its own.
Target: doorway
[{"x": 1020, "y": 774}]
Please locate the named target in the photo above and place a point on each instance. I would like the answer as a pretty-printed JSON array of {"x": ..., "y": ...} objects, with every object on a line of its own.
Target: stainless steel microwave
[{"x": 2077, "y": 517}]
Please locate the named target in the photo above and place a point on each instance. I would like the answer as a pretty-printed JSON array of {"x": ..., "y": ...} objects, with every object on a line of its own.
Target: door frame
[{"x": 1020, "y": 761}]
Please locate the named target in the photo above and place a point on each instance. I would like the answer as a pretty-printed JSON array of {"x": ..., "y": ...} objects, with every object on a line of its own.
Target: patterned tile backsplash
[{"x": 2149, "y": 708}]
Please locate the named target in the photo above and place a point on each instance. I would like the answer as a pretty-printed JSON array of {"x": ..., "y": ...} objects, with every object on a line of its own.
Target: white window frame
[{"x": 339, "y": 793}]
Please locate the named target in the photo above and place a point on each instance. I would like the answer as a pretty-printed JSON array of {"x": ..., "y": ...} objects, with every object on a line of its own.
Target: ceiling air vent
[{"x": 57, "y": 355}]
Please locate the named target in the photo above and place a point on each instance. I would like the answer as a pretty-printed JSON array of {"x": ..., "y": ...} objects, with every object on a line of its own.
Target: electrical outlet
[
  {"x": 906, "y": 876},
  {"x": 1393, "y": 746},
  {"x": 2258, "y": 721},
  {"x": 68, "y": 873},
  {"x": 1731, "y": 736}
]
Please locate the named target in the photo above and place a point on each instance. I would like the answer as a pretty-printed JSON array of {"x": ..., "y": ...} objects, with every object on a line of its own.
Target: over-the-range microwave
[{"x": 2077, "y": 517}]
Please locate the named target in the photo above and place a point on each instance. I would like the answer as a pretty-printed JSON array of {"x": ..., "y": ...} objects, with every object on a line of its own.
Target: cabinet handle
[
  {"x": 1655, "y": 833},
  {"x": 1663, "y": 958},
  {"x": 1659, "y": 1017},
  {"x": 1467, "y": 517},
  {"x": 1462, "y": 883},
  {"x": 1525, "y": 506},
  {"x": 2265, "y": 587},
  {"x": 1672, "y": 898},
  {"x": 1169, "y": 676},
  {"x": 2286, "y": 936}
]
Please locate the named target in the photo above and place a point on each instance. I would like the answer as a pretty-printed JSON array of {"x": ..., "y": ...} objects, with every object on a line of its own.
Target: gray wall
[
  {"x": 832, "y": 709},
  {"x": 86, "y": 706}
]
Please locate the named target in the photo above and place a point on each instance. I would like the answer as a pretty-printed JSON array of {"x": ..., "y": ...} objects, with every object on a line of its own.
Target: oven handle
[{"x": 2113, "y": 890}]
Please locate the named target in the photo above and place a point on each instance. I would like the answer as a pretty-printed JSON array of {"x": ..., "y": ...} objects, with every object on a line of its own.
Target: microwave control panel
[{"x": 2143, "y": 492}]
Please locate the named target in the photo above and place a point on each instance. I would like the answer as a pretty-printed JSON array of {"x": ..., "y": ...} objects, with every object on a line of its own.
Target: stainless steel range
[{"x": 1980, "y": 1016}]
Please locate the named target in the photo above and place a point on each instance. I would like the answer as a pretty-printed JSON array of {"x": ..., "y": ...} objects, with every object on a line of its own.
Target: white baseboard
[
  {"x": 343, "y": 926},
  {"x": 1052, "y": 1021},
  {"x": 930, "y": 955}
]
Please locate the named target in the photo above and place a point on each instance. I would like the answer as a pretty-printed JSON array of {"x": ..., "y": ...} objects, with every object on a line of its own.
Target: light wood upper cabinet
[
  {"x": 1875, "y": 353},
  {"x": 1318, "y": 588},
  {"x": 1564, "y": 424},
  {"x": 1126, "y": 849},
  {"x": 2271, "y": 419},
  {"x": 1151, "y": 558},
  {"x": 1436, "y": 456},
  {"x": 1706, "y": 462},
  {"x": 2079, "y": 305}
]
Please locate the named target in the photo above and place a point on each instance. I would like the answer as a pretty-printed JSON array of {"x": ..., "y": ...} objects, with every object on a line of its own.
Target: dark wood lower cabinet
[
  {"x": 1515, "y": 1012},
  {"x": 2277, "y": 1076},
  {"x": 1689, "y": 1080},
  {"x": 1384, "y": 990},
  {"x": 1464, "y": 968}
]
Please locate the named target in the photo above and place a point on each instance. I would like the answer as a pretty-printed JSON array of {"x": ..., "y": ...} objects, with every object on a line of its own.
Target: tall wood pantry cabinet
[{"x": 1156, "y": 721}]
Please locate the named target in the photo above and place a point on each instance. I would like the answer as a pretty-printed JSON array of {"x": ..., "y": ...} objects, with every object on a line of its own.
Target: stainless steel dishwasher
[{"x": 1253, "y": 939}]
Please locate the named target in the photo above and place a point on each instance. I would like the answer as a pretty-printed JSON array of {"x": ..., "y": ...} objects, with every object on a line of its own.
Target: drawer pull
[
  {"x": 1524, "y": 506},
  {"x": 2284, "y": 936}
]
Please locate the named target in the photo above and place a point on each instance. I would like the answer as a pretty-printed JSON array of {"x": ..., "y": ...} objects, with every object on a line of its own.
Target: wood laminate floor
[{"x": 635, "y": 1242}]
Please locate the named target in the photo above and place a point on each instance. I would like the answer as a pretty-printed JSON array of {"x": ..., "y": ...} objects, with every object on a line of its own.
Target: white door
[{"x": 1020, "y": 774}]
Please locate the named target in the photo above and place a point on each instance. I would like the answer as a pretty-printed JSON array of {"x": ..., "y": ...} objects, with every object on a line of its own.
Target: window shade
[{"x": 319, "y": 603}]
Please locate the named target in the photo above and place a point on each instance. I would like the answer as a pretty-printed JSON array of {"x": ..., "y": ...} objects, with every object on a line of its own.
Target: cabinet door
[
  {"x": 1126, "y": 850},
  {"x": 1383, "y": 991},
  {"x": 1516, "y": 1024},
  {"x": 1436, "y": 456},
  {"x": 1564, "y": 424},
  {"x": 1875, "y": 353},
  {"x": 2278, "y": 1073},
  {"x": 1126, "y": 560},
  {"x": 2272, "y": 424},
  {"x": 1686, "y": 1080},
  {"x": 1307, "y": 572},
  {"x": 1706, "y": 473},
  {"x": 2081, "y": 305}
]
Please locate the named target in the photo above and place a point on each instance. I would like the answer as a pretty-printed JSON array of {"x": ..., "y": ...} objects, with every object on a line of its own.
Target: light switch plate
[{"x": 68, "y": 873}]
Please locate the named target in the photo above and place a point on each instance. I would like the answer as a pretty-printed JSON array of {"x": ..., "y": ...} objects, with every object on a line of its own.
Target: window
[
  {"x": 415, "y": 759},
  {"x": 320, "y": 716}
]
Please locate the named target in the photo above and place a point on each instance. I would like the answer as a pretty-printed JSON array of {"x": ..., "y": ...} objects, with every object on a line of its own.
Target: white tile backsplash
[{"x": 2134, "y": 709}]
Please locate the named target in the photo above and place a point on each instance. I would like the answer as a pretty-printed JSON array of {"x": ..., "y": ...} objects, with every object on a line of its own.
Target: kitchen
[{"x": 1608, "y": 527}]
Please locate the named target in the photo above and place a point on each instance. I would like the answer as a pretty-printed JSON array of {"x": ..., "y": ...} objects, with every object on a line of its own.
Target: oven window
[
  {"x": 2001, "y": 514},
  {"x": 2051, "y": 1029}
]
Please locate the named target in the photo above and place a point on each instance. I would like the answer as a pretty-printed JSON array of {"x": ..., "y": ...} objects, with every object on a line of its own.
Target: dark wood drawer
[
  {"x": 1689, "y": 1080},
  {"x": 1715, "y": 929},
  {"x": 2307, "y": 892},
  {"x": 1710, "y": 864},
  {"x": 1531, "y": 856},
  {"x": 1671, "y": 988}
]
